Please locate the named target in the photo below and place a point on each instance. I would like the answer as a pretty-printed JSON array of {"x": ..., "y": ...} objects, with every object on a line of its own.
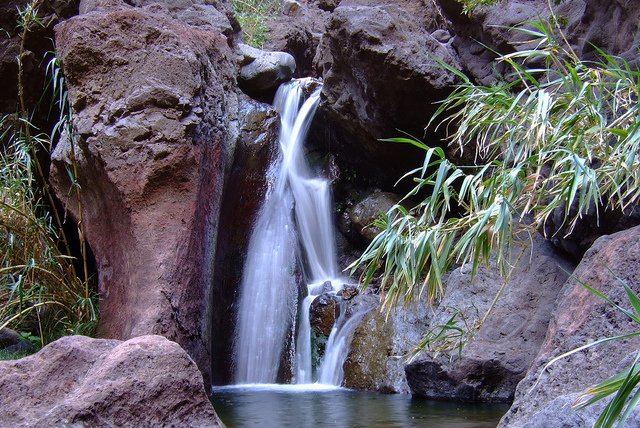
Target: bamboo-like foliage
[
  {"x": 40, "y": 291},
  {"x": 562, "y": 135}
]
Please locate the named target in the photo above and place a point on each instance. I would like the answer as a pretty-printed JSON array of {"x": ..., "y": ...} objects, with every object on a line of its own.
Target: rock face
[
  {"x": 380, "y": 72},
  {"x": 581, "y": 317},
  {"x": 369, "y": 209},
  {"x": 244, "y": 194},
  {"x": 78, "y": 381},
  {"x": 12, "y": 342},
  {"x": 496, "y": 356},
  {"x": 381, "y": 346},
  {"x": 155, "y": 116},
  {"x": 263, "y": 71}
]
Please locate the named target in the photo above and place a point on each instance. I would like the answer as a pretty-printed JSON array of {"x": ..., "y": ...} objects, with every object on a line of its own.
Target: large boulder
[
  {"x": 498, "y": 349},
  {"x": 580, "y": 318},
  {"x": 79, "y": 381},
  {"x": 381, "y": 74},
  {"x": 155, "y": 116},
  {"x": 263, "y": 71}
]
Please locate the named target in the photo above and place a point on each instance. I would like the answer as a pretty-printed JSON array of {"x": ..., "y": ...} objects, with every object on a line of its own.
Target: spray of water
[{"x": 268, "y": 285}]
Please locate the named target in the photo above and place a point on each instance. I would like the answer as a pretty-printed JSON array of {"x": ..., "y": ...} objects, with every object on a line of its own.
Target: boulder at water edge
[
  {"x": 79, "y": 381},
  {"x": 155, "y": 109},
  {"x": 263, "y": 71},
  {"x": 496, "y": 356}
]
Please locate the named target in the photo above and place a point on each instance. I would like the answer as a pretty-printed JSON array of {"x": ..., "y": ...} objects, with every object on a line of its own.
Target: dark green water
[{"x": 292, "y": 406}]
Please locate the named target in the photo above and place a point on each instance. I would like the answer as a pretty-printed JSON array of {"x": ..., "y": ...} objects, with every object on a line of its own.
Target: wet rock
[
  {"x": 381, "y": 345},
  {"x": 245, "y": 190},
  {"x": 348, "y": 292},
  {"x": 156, "y": 115},
  {"x": 365, "y": 212},
  {"x": 12, "y": 342},
  {"x": 262, "y": 71},
  {"x": 579, "y": 318},
  {"x": 497, "y": 351},
  {"x": 323, "y": 313},
  {"x": 79, "y": 381}
]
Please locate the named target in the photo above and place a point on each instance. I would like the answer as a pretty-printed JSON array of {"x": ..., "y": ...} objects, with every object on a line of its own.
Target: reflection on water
[{"x": 301, "y": 406}]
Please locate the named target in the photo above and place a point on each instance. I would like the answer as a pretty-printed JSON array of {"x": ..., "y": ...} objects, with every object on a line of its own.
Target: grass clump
[
  {"x": 253, "y": 16},
  {"x": 469, "y": 6},
  {"x": 41, "y": 292}
]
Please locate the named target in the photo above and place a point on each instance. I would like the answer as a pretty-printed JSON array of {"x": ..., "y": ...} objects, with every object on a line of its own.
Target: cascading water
[{"x": 268, "y": 286}]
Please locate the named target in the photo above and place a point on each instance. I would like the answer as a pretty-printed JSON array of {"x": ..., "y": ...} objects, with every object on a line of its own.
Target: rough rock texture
[
  {"x": 79, "y": 381},
  {"x": 380, "y": 74},
  {"x": 155, "y": 113},
  {"x": 580, "y": 318},
  {"x": 381, "y": 346},
  {"x": 298, "y": 31},
  {"x": 496, "y": 357},
  {"x": 243, "y": 196},
  {"x": 324, "y": 312},
  {"x": 590, "y": 227},
  {"x": 214, "y": 15},
  {"x": 369, "y": 209},
  {"x": 261, "y": 71}
]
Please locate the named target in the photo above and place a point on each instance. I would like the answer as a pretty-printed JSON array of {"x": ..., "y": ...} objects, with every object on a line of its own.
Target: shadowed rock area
[
  {"x": 500, "y": 347},
  {"x": 146, "y": 381}
]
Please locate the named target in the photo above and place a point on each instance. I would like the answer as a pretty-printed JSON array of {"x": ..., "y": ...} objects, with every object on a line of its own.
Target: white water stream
[{"x": 268, "y": 290}]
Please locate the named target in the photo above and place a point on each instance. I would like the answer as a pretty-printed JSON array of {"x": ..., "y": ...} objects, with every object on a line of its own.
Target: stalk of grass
[{"x": 40, "y": 291}]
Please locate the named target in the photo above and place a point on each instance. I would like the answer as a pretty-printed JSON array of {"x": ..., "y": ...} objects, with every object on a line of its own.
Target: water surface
[{"x": 324, "y": 406}]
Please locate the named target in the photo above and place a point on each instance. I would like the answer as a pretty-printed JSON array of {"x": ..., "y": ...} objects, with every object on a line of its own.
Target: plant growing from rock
[
  {"x": 40, "y": 290},
  {"x": 253, "y": 15},
  {"x": 561, "y": 135}
]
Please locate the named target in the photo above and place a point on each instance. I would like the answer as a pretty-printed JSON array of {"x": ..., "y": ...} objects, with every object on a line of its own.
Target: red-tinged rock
[
  {"x": 580, "y": 318},
  {"x": 79, "y": 381},
  {"x": 156, "y": 111}
]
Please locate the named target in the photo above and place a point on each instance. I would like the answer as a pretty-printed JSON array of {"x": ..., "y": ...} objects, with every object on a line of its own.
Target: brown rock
[
  {"x": 78, "y": 381},
  {"x": 581, "y": 317},
  {"x": 382, "y": 343},
  {"x": 155, "y": 110},
  {"x": 365, "y": 212},
  {"x": 323, "y": 313}
]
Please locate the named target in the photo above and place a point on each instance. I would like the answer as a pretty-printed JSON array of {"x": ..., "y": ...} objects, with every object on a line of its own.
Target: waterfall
[{"x": 268, "y": 289}]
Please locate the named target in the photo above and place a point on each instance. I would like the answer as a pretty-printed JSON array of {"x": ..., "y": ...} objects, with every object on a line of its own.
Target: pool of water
[{"x": 316, "y": 406}]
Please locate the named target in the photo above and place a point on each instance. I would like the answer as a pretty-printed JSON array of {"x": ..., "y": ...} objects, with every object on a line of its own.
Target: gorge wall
[{"x": 169, "y": 151}]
